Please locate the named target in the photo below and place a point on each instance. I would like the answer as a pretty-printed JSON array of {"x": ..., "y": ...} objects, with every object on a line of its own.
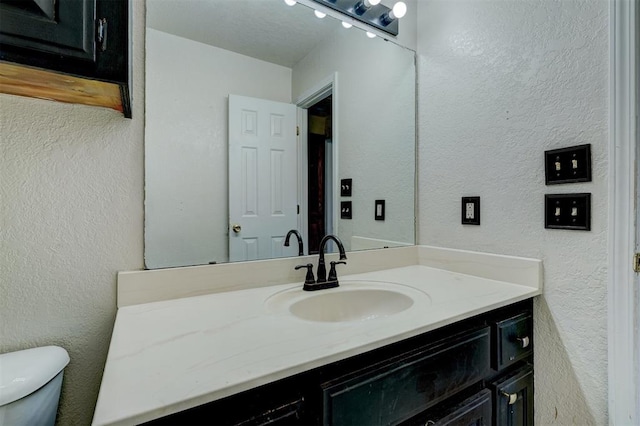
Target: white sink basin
[{"x": 352, "y": 301}]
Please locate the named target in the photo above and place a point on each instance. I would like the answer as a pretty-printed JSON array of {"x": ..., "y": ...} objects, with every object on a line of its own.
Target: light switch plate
[
  {"x": 345, "y": 210},
  {"x": 568, "y": 165},
  {"x": 567, "y": 211},
  {"x": 346, "y": 187},
  {"x": 471, "y": 210}
]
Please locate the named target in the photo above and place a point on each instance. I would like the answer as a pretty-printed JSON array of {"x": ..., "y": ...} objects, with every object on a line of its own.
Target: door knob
[
  {"x": 524, "y": 341},
  {"x": 236, "y": 228}
]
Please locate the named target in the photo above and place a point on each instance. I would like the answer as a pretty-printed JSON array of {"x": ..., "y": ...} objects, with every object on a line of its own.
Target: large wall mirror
[{"x": 258, "y": 115}]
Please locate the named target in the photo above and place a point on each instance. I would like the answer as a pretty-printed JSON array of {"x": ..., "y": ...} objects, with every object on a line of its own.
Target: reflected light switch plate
[
  {"x": 345, "y": 210},
  {"x": 346, "y": 187}
]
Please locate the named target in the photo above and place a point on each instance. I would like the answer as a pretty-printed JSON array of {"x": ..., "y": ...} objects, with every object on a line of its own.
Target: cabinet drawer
[
  {"x": 284, "y": 415},
  {"x": 476, "y": 410},
  {"x": 513, "y": 340},
  {"x": 513, "y": 398},
  {"x": 391, "y": 392}
]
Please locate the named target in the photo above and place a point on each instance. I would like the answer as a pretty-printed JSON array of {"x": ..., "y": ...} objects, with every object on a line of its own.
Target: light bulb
[
  {"x": 290, "y": 2},
  {"x": 399, "y": 10},
  {"x": 319, "y": 14},
  {"x": 371, "y": 35},
  {"x": 346, "y": 24},
  {"x": 363, "y": 5}
]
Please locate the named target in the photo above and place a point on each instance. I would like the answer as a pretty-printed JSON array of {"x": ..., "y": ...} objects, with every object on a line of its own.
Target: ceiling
[{"x": 265, "y": 29}]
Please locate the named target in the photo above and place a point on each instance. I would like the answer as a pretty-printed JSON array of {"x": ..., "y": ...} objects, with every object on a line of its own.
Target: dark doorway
[{"x": 319, "y": 140}]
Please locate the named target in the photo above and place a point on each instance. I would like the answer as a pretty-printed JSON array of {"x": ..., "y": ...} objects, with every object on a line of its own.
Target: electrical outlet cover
[
  {"x": 471, "y": 210},
  {"x": 379, "y": 210}
]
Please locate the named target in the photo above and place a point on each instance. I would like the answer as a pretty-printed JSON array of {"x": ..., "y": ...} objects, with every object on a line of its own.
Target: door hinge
[
  {"x": 298, "y": 208},
  {"x": 636, "y": 262},
  {"x": 297, "y": 130},
  {"x": 101, "y": 35}
]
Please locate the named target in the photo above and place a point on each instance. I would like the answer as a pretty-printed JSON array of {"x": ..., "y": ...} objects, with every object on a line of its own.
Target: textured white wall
[
  {"x": 376, "y": 116},
  {"x": 500, "y": 83},
  {"x": 71, "y": 217},
  {"x": 186, "y": 156}
]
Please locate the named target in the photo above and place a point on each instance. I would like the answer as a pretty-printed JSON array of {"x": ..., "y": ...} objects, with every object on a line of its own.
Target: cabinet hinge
[
  {"x": 101, "y": 34},
  {"x": 297, "y": 130},
  {"x": 636, "y": 262}
]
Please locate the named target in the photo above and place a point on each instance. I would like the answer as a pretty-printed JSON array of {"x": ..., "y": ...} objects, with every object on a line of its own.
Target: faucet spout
[
  {"x": 300, "y": 243},
  {"x": 322, "y": 270}
]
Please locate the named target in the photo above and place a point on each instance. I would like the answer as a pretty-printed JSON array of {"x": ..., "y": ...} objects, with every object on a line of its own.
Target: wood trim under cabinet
[{"x": 37, "y": 83}]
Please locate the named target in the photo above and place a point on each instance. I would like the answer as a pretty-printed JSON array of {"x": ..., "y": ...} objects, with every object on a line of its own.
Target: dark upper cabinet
[
  {"x": 65, "y": 29},
  {"x": 87, "y": 39}
]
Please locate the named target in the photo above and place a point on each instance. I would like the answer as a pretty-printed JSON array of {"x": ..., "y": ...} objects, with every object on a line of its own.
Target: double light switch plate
[{"x": 568, "y": 211}]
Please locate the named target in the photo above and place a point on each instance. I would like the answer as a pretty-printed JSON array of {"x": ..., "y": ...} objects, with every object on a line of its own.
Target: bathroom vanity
[
  {"x": 465, "y": 373},
  {"x": 462, "y": 349}
]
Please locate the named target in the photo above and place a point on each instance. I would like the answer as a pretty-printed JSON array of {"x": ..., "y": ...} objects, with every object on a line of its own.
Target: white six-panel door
[{"x": 262, "y": 178}]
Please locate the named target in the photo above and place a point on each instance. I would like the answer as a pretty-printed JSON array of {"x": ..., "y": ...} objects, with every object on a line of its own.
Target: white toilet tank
[{"x": 30, "y": 383}]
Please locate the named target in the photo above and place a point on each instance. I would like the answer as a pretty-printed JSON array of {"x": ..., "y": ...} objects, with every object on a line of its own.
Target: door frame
[
  {"x": 623, "y": 294},
  {"x": 327, "y": 86}
]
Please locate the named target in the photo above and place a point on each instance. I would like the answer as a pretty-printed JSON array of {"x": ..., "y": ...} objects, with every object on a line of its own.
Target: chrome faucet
[{"x": 300, "y": 243}]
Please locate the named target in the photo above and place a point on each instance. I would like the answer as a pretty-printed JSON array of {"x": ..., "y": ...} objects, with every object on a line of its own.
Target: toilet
[{"x": 30, "y": 383}]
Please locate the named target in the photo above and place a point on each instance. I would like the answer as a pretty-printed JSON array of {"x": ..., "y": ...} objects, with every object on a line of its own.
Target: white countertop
[{"x": 172, "y": 355}]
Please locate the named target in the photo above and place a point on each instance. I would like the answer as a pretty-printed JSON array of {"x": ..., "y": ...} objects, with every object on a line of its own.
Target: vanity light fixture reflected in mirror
[{"x": 372, "y": 13}]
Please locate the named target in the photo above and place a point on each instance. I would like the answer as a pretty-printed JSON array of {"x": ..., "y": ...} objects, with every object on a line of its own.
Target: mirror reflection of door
[
  {"x": 319, "y": 163},
  {"x": 262, "y": 178}
]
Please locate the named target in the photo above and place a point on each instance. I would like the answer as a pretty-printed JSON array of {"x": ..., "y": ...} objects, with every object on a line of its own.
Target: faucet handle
[
  {"x": 309, "y": 279},
  {"x": 333, "y": 276}
]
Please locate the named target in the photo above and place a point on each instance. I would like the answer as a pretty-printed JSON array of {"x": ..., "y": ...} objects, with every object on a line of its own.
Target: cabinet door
[
  {"x": 513, "y": 396},
  {"x": 513, "y": 340},
  {"x": 394, "y": 391},
  {"x": 60, "y": 27}
]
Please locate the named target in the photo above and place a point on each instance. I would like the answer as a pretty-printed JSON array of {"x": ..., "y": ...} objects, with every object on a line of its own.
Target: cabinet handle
[
  {"x": 513, "y": 397},
  {"x": 524, "y": 341},
  {"x": 102, "y": 34}
]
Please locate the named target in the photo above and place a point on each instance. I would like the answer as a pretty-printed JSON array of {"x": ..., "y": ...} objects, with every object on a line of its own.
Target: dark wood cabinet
[
  {"x": 67, "y": 50},
  {"x": 65, "y": 28},
  {"x": 512, "y": 340},
  {"x": 450, "y": 376},
  {"x": 476, "y": 410},
  {"x": 396, "y": 390},
  {"x": 513, "y": 398}
]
